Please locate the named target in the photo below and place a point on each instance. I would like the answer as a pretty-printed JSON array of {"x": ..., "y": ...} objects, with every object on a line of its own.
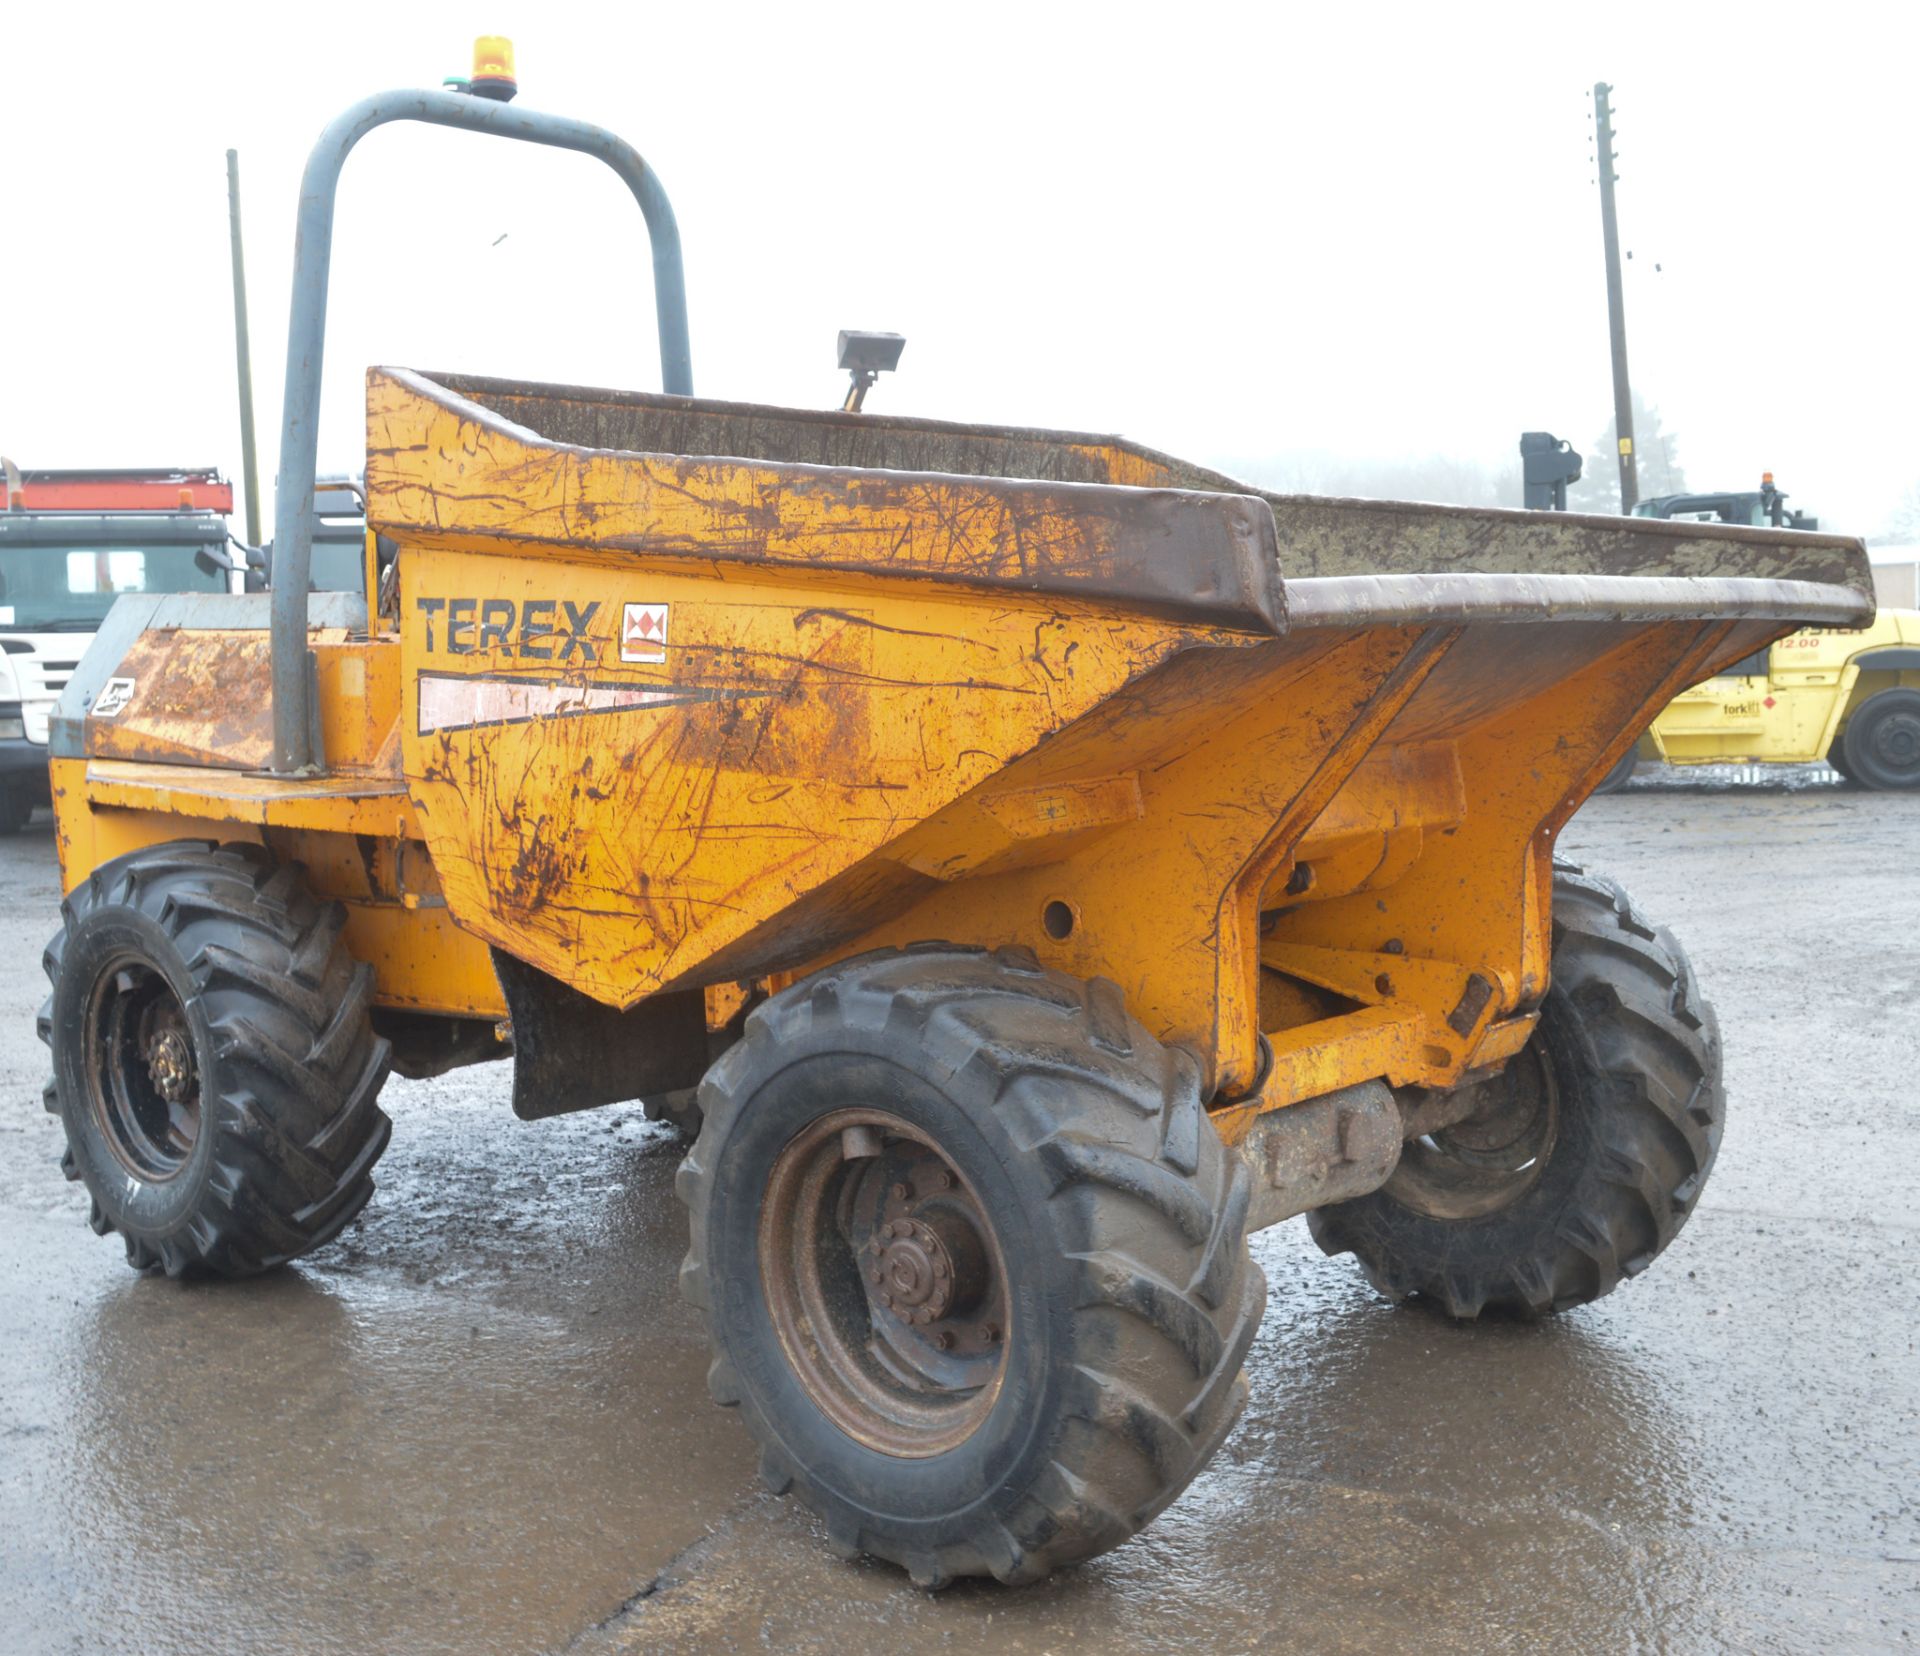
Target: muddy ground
[{"x": 479, "y": 1423}]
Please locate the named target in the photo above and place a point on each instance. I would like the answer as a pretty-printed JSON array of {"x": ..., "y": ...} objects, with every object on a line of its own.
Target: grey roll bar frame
[{"x": 296, "y": 744}]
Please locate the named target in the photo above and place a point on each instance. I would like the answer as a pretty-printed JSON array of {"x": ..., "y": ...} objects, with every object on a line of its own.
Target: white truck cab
[{"x": 70, "y": 543}]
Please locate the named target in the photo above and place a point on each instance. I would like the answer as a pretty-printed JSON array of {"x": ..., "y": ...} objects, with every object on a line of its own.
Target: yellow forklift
[{"x": 1850, "y": 696}]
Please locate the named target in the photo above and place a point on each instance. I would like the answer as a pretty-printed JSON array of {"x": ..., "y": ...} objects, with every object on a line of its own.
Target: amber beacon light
[{"x": 493, "y": 69}]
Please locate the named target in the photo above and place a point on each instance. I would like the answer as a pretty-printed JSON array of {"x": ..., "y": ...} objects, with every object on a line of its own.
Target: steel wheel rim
[
  {"x": 142, "y": 1075},
  {"x": 1494, "y": 1157},
  {"x": 885, "y": 1283}
]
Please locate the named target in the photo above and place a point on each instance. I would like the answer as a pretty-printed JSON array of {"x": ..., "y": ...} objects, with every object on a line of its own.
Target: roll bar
[{"x": 296, "y": 744}]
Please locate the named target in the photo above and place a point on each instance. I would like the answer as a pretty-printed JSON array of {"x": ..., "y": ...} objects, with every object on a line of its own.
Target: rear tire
[
  {"x": 1620, "y": 775},
  {"x": 1041, "y": 1178},
  {"x": 1591, "y": 1151},
  {"x": 1881, "y": 743},
  {"x": 213, "y": 1059}
]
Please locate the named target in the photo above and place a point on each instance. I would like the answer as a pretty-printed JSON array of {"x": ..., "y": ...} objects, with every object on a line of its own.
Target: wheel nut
[
  {"x": 924, "y": 1314},
  {"x": 943, "y": 1341},
  {"x": 873, "y": 1276},
  {"x": 899, "y": 1193},
  {"x": 943, "y": 1180}
]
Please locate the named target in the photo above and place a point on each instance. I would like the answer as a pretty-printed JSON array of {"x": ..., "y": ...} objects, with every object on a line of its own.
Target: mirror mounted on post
[
  {"x": 1548, "y": 464},
  {"x": 866, "y": 356}
]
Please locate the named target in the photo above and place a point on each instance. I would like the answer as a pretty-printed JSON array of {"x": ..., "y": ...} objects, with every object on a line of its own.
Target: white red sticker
[
  {"x": 114, "y": 695},
  {"x": 643, "y": 633},
  {"x": 450, "y": 701}
]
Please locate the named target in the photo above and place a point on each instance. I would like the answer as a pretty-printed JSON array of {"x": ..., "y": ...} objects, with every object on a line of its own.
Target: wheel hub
[
  {"x": 1492, "y": 1158},
  {"x": 914, "y": 1276},
  {"x": 1897, "y": 741},
  {"x": 142, "y": 1079},
  {"x": 885, "y": 1283},
  {"x": 170, "y": 1064},
  {"x": 1510, "y": 1105}
]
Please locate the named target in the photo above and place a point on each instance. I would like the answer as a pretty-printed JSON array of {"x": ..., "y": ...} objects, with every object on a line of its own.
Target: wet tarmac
[{"x": 480, "y": 1423}]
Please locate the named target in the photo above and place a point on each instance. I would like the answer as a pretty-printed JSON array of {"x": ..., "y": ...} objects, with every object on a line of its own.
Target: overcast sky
[{"x": 1237, "y": 233}]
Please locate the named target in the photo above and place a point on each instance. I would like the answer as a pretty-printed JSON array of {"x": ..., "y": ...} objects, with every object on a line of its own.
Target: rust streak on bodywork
[{"x": 684, "y": 695}]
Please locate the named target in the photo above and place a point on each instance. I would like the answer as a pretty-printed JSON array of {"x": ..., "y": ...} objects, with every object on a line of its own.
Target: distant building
[{"x": 1896, "y": 576}]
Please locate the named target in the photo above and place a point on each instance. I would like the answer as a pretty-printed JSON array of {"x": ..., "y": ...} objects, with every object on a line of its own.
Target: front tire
[
  {"x": 973, "y": 1260},
  {"x": 214, "y": 1063},
  {"x": 1881, "y": 744},
  {"x": 16, "y": 808},
  {"x": 1590, "y": 1151}
]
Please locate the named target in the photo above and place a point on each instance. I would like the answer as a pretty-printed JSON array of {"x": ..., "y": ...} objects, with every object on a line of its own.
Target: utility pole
[
  {"x": 1616, "y": 300},
  {"x": 243, "y": 355}
]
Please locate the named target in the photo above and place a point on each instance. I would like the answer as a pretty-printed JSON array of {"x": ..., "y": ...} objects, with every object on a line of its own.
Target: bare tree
[
  {"x": 1902, "y": 525},
  {"x": 1660, "y": 471},
  {"x": 1443, "y": 479}
]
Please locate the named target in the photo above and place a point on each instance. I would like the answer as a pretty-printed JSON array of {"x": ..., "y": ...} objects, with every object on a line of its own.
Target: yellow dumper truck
[
  {"x": 1051, "y": 861},
  {"x": 1850, "y": 697}
]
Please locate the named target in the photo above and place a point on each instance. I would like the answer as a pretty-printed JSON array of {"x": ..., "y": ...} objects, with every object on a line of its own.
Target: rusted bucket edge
[
  {"x": 1415, "y": 600},
  {"x": 1200, "y": 556}
]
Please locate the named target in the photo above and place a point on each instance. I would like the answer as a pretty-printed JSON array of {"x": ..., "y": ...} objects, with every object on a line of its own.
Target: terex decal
[
  {"x": 540, "y": 629},
  {"x": 549, "y": 630}
]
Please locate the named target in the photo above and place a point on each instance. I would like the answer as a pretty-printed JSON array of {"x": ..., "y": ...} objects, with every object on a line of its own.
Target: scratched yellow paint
[
  {"x": 421, "y": 958},
  {"x": 1529, "y": 721},
  {"x": 800, "y": 732},
  {"x": 439, "y": 466},
  {"x": 651, "y": 722}
]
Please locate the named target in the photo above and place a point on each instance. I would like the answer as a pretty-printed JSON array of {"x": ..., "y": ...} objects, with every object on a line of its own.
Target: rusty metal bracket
[{"x": 1330, "y": 1150}]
